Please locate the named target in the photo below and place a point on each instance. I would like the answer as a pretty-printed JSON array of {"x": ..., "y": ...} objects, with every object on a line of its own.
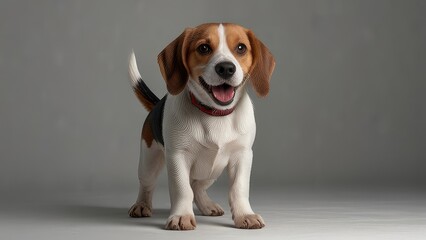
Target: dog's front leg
[
  {"x": 181, "y": 195},
  {"x": 239, "y": 174}
]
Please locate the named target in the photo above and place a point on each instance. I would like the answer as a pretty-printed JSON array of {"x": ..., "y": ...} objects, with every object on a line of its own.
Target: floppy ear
[
  {"x": 262, "y": 67},
  {"x": 172, "y": 64}
]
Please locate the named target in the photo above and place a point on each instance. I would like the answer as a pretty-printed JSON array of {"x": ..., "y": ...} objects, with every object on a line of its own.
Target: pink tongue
[{"x": 223, "y": 93}]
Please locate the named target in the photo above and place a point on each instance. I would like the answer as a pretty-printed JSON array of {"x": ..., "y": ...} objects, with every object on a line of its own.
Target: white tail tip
[{"x": 133, "y": 69}]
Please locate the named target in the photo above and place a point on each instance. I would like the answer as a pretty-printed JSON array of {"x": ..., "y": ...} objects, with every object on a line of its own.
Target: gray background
[{"x": 346, "y": 107}]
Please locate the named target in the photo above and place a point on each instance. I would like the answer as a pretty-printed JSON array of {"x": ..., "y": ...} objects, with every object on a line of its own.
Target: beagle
[{"x": 204, "y": 124}]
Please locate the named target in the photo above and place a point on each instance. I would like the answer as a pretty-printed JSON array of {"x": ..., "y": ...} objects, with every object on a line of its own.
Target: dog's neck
[{"x": 209, "y": 110}]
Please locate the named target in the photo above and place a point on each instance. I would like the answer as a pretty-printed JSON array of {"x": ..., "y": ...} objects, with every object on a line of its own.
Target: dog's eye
[
  {"x": 204, "y": 49},
  {"x": 241, "y": 49}
]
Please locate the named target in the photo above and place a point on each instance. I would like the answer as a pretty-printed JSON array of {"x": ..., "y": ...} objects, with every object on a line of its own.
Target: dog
[{"x": 204, "y": 124}]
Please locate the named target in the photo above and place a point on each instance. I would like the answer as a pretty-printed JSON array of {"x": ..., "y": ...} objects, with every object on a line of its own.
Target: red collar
[{"x": 209, "y": 110}]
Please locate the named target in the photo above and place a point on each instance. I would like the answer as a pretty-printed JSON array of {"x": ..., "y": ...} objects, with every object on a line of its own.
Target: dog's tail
[{"x": 144, "y": 94}]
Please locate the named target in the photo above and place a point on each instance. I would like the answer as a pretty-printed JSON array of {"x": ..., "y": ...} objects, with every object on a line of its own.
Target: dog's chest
[
  {"x": 208, "y": 143},
  {"x": 214, "y": 144},
  {"x": 215, "y": 141}
]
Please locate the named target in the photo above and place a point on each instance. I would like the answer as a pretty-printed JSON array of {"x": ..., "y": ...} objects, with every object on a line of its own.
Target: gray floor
[{"x": 289, "y": 213}]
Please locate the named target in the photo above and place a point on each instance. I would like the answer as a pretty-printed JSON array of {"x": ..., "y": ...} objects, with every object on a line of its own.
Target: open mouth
[{"x": 222, "y": 94}]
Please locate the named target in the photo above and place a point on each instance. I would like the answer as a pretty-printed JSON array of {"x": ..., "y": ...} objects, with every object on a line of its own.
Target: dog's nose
[{"x": 225, "y": 69}]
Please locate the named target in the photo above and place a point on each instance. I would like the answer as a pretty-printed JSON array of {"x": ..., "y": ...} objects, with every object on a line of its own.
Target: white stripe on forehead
[
  {"x": 224, "y": 54},
  {"x": 222, "y": 38},
  {"x": 223, "y": 45}
]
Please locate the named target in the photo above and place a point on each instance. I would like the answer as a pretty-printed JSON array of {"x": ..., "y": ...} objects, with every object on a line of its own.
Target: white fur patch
[{"x": 133, "y": 70}]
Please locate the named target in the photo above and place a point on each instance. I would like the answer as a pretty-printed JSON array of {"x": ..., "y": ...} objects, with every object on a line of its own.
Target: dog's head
[{"x": 214, "y": 61}]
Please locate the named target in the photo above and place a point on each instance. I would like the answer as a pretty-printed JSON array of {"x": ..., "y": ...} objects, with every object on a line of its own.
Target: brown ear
[
  {"x": 172, "y": 64},
  {"x": 262, "y": 67}
]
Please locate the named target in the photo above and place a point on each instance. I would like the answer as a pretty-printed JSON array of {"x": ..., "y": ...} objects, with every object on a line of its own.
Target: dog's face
[{"x": 214, "y": 61}]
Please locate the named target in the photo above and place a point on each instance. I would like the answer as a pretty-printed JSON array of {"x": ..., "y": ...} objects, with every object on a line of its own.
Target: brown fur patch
[
  {"x": 147, "y": 134},
  {"x": 263, "y": 65},
  {"x": 171, "y": 61},
  {"x": 235, "y": 35},
  {"x": 203, "y": 34},
  {"x": 145, "y": 102}
]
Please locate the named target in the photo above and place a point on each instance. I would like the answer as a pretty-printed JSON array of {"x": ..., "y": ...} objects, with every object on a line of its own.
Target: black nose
[{"x": 225, "y": 69}]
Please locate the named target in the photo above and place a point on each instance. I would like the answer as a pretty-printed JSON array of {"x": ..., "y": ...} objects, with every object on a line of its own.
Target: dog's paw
[
  {"x": 186, "y": 222},
  {"x": 249, "y": 221},
  {"x": 140, "y": 210},
  {"x": 211, "y": 209}
]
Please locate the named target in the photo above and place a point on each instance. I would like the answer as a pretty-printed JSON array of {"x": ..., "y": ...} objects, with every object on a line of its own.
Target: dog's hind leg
[
  {"x": 203, "y": 201},
  {"x": 150, "y": 163}
]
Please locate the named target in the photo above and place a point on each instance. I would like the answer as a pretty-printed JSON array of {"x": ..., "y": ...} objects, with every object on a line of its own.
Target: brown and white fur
[{"x": 198, "y": 146}]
